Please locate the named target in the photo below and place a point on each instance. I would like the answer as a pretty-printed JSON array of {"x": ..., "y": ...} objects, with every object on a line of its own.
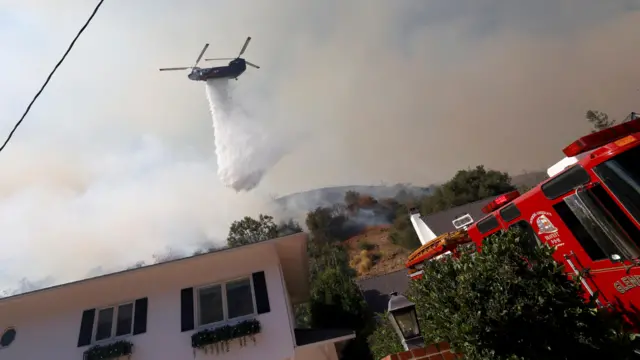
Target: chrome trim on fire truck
[{"x": 582, "y": 279}]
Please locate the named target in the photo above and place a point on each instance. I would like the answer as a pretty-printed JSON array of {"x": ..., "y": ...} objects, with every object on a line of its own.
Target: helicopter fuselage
[{"x": 235, "y": 68}]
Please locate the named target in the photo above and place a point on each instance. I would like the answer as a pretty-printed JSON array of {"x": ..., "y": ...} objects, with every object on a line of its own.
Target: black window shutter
[
  {"x": 86, "y": 327},
  {"x": 140, "y": 317},
  {"x": 260, "y": 289},
  {"x": 186, "y": 305}
]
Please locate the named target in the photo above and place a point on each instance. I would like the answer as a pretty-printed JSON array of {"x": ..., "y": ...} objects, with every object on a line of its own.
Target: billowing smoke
[
  {"x": 115, "y": 161},
  {"x": 245, "y": 148}
]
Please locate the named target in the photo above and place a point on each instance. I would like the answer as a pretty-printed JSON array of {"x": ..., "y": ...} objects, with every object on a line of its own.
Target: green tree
[
  {"x": 599, "y": 120},
  {"x": 288, "y": 227},
  {"x": 465, "y": 187},
  {"x": 337, "y": 303},
  {"x": 512, "y": 301},
  {"x": 249, "y": 230},
  {"x": 402, "y": 232},
  {"x": 326, "y": 224},
  {"x": 384, "y": 340},
  {"x": 336, "y": 300},
  {"x": 326, "y": 256}
]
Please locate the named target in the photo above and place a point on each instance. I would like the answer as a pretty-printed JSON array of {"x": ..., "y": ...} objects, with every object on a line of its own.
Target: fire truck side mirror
[{"x": 615, "y": 258}]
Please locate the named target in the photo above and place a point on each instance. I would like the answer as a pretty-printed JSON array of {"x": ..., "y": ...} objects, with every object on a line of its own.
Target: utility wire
[{"x": 51, "y": 74}]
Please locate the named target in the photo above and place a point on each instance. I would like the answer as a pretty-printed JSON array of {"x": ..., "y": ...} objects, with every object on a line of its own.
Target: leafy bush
[
  {"x": 337, "y": 303},
  {"x": 384, "y": 340},
  {"x": 513, "y": 302}
]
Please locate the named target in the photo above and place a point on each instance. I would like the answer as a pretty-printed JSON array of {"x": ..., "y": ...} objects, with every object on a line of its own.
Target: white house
[{"x": 183, "y": 309}]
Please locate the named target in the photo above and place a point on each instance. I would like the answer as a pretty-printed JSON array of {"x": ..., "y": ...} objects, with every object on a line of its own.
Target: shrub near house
[{"x": 513, "y": 301}]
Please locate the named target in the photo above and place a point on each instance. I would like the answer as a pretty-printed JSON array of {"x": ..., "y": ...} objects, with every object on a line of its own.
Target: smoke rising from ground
[
  {"x": 115, "y": 163},
  {"x": 245, "y": 147}
]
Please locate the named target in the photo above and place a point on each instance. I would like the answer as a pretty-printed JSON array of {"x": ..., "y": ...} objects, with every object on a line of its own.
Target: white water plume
[{"x": 245, "y": 149}]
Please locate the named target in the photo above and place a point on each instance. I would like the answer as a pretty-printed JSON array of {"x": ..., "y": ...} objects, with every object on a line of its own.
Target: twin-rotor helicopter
[{"x": 236, "y": 67}]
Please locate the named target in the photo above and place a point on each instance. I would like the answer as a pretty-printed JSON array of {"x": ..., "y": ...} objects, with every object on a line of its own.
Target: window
[
  {"x": 579, "y": 232},
  {"x": 615, "y": 213},
  {"x": 97, "y": 325},
  {"x": 598, "y": 224},
  {"x": 487, "y": 224},
  {"x": 564, "y": 182},
  {"x": 7, "y": 337},
  {"x": 510, "y": 212},
  {"x": 621, "y": 175},
  {"x": 227, "y": 301},
  {"x": 114, "y": 321}
]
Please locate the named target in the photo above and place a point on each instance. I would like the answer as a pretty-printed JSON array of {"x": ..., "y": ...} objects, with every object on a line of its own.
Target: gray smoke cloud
[{"x": 116, "y": 160}]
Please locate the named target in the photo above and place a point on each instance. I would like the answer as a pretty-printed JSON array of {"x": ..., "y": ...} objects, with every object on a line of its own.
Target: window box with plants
[
  {"x": 110, "y": 351},
  {"x": 225, "y": 312},
  {"x": 218, "y": 339}
]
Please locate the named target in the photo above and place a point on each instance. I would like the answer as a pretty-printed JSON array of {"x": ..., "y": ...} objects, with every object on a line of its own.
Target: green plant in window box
[
  {"x": 109, "y": 351},
  {"x": 218, "y": 338}
]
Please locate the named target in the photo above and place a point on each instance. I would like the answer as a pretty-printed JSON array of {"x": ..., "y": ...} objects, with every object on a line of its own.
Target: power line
[{"x": 51, "y": 73}]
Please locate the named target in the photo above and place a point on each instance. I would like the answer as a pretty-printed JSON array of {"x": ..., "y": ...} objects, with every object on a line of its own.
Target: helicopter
[{"x": 235, "y": 68}]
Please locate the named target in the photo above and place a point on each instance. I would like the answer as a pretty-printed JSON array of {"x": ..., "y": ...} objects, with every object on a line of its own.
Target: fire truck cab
[{"x": 589, "y": 210}]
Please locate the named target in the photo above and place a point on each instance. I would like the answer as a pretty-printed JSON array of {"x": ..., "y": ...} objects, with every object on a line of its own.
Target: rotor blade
[
  {"x": 219, "y": 59},
  {"x": 255, "y": 66},
  {"x": 201, "y": 54},
  {"x": 176, "y": 68},
  {"x": 246, "y": 43}
]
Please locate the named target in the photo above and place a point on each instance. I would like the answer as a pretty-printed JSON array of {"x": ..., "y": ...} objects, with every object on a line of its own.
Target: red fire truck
[{"x": 589, "y": 211}]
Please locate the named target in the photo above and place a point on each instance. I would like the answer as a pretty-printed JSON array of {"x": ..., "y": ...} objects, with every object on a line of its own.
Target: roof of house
[
  {"x": 442, "y": 222},
  {"x": 145, "y": 269},
  {"x": 376, "y": 290}
]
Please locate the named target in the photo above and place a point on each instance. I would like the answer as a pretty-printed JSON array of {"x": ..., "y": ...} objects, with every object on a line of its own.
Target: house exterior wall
[
  {"x": 320, "y": 352},
  {"x": 49, "y": 328}
]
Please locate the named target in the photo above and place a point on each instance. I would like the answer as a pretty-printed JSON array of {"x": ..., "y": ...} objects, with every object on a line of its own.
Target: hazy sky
[{"x": 115, "y": 161}]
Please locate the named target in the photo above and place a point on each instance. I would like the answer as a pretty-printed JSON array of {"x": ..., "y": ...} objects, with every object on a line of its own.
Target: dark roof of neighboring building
[
  {"x": 376, "y": 290},
  {"x": 441, "y": 222},
  {"x": 310, "y": 336}
]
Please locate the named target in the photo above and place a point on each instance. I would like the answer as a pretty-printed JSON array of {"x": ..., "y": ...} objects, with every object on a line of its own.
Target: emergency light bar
[
  {"x": 603, "y": 137},
  {"x": 500, "y": 201}
]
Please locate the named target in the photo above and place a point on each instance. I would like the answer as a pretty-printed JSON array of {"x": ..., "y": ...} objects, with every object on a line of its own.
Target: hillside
[
  {"x": 328, "y": 196},
  {"x": 308, "y": 200},
  {"x": 371, "y": 253}
]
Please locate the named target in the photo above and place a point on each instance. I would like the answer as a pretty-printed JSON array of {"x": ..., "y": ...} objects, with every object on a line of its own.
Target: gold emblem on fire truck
[{"x": 545, "y": 226}]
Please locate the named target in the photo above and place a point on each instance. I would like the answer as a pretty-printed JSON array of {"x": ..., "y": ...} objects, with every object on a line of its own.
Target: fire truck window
[
  {"x": 510, "y": 212},
  {"x": 487, "y": 224},
  {"x": 600, "y": 224},
  {"x": 579, "y": 232},
  {"x": 616, "y": 213},
  {"x": 565, "y": 182},
  {"x": 531, "y": 239},
  {"x": 621, "y": 175}
]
